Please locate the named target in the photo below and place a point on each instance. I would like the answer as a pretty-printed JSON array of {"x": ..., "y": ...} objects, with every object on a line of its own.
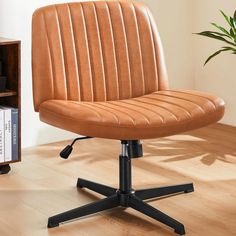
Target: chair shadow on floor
[
  {"x": 191, "y": 145},
  {"x": 209, "y": 150}
]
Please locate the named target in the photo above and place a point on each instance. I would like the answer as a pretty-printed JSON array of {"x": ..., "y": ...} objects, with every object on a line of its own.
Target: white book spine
[
  {"x": 2, "y": 139},
  {"x": 8, "y": 139}
]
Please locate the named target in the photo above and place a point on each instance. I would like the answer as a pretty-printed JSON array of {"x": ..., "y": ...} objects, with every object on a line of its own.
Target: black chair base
[
  {"x": 115, "y": 198},
  {"x": 125, "y": 196}
]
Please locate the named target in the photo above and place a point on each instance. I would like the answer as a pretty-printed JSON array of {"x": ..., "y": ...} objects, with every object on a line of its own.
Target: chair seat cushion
[{"x": 154, "y": 115}]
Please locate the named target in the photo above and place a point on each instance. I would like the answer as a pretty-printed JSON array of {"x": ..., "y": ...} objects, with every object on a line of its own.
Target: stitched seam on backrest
[
  {"x": 62, "y": 52},
  {"x": 88, "y": 49},
  {"x": 154, "y": 48},
  {"x": 140, "y": 48},
  {"x": 101, "y": 49},
  {"x": 127, "y": 48},
  {"x": 75, "y": 52},
  {"x": 50, "y": 54},
  {"x": 114, "y": 46}
]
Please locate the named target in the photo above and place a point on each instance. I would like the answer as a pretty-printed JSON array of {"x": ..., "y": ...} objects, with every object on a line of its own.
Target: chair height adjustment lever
[{"x": 65, "y": 153}]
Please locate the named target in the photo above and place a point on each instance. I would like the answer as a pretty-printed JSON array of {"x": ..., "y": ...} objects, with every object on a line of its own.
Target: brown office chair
[{"x": 99, "y": 71}]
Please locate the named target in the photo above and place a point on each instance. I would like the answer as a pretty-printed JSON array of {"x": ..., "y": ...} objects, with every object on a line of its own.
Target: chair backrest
[{"x": 95, "y": 51}]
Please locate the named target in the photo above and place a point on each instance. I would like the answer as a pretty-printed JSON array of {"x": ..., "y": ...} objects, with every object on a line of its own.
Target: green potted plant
[{"x": 226, "y": 35}]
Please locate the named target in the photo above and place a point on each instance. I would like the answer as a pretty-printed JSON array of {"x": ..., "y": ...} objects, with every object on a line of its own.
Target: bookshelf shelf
[
  {"x": 8, "y": 93},
  {"x": 10, "y": 55}
]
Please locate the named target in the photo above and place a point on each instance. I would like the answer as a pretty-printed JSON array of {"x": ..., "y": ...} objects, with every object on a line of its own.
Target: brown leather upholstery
[
  {"x": 95, "y": 51},
  {"x": 99, "y": 70},
  {"x": 158, "y": 114}
]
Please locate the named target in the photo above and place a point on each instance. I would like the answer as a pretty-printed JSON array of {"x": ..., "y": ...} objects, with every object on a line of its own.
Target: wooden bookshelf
[{"x": 10, "y": 55}]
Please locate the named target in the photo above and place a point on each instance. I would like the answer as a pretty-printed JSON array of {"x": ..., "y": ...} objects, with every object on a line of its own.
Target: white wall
[
  {"x": 15, "y": 22},
  {"x": 218, "y": 77},
  {"x": 174, "y": 20},
  {"x": 185, "y": 54}
]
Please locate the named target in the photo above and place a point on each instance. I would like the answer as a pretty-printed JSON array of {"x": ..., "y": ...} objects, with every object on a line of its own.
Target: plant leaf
[
  {"x": 226, "y": 17},
  {"x": 221, "y": 28},
  {"x": 215, "y": 54},
  {"x": 233, "y": 23},
  {"x": 210, "y": 35},
  {"x": 232, "y": 33},
  {"x": 225, "y": 35},
  {"x": 230, "y": 48},
  {"x": 216, "y": 33}
]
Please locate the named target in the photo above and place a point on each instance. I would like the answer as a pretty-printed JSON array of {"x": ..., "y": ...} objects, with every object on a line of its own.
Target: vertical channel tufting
[
  {"x": 163, "y": 83},
  {"x": 154, "y": 46},
  {"x": 114, "y": 50},
  {"x": 121, "y": 50},
  {"x": 100, "y": 47},
  {"x": 96, "y": 51},
  {"x": 109, "y": 55},
  {"x": 134, "y": 52},
  {"x": 75, "y": 60},
  {"x": 127, "y": 49},
  {"x": 147, "y": 44},
  {"x": 69, "y": 56},
  {"x": 78, "y": 86},
  {"x": 50, "y": 62},
  {"x": 57, "y": 57},
  {"x": 89, "y": 54},
  {"x": 140, "y": 49},
  {"x": 82, "y": 52},
  {"x": 63, "y": 79}
]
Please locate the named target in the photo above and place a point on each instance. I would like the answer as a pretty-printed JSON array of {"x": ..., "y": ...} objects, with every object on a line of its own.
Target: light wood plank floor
[{"x": 44, "y": 185}]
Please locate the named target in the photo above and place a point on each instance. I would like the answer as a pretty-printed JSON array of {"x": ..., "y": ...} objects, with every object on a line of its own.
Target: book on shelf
[
  {"x": 2, "y": 158},
  {"x": 14, "y": 115},
  {"x": 8, "y": 134}
]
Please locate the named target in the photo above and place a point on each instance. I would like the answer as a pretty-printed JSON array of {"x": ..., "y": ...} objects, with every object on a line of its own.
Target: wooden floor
[{"x": 44, "y": 185}]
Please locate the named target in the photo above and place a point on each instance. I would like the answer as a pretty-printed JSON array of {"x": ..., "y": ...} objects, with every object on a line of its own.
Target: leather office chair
[{"x": 99, "y": 71}]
